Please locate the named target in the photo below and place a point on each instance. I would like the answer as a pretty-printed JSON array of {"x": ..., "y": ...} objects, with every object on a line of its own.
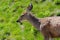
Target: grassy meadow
[{"x": 10, "y": 11}]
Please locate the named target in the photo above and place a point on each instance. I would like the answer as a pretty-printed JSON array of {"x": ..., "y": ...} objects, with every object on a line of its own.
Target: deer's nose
[{"x": 17, "y": 21}]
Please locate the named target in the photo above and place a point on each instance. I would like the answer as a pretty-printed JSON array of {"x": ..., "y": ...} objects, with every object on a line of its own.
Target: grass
[{"x": 10, "y": 11}]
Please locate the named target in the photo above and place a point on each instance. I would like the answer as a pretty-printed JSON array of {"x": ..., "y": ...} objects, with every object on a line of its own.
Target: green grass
[{"x": 10, "y": 11}]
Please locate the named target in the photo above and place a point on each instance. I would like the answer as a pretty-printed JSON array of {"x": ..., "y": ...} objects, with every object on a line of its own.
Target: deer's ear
[{"x": 30, "y": 7}]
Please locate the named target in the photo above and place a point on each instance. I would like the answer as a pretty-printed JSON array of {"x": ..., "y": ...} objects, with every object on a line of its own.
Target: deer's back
[{"x": 54, "y": 21}]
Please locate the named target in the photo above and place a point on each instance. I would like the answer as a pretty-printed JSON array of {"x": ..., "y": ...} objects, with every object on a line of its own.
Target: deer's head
[{"x": 25, "y": 14}]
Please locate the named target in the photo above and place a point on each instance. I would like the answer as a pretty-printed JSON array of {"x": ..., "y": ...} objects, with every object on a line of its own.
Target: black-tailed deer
[{"x": 48, "y": 26}]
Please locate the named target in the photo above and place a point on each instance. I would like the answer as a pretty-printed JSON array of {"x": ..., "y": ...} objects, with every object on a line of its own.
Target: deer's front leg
[
  {"x": 51, "y": 38},
  {"x": 46, "y": 38}
]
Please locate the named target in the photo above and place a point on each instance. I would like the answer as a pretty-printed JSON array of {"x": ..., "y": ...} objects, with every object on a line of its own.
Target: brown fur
[{"x": 53, "y": 27}]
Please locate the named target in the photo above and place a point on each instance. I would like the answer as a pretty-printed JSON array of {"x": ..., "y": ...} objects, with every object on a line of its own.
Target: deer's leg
[
  {"x": 46, "y": 38},
  {"x": 51, "y": 38}
]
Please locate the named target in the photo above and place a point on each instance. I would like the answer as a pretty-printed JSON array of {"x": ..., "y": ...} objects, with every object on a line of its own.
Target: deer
[{"x": 48, "y": 26}]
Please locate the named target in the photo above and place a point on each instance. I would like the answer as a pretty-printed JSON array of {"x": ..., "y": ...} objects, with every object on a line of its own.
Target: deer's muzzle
[{"x": 19, "y": 22}]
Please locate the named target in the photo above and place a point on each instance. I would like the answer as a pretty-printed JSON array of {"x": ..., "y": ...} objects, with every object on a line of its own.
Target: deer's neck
[{"x": 34, "y": 21}]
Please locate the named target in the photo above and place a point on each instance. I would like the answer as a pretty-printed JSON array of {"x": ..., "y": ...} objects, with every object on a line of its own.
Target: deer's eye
[{"x": 22, "y": 15}]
